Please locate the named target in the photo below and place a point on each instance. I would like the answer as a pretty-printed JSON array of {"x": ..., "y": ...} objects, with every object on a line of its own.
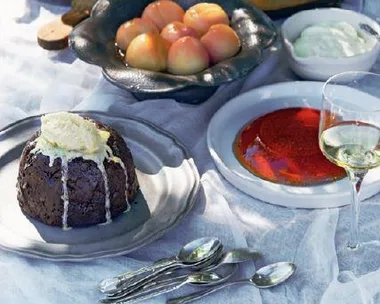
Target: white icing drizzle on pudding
[
  {"x": 65, "y": 192},
  {"x": 120, "y": 162},
  {"x": 67, "y": 136},
  {"x": 107, "y": 202}
]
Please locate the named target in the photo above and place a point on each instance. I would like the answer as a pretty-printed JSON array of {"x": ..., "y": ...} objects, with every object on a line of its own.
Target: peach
[
  {"x": 131, "y": 29},
  {"x": 175, "y": 30},
  {"x": 163, "y": 12},
  {"x": 187, "y": 56},
  {"x": 148, "y": 51},
  {"x": 221, "y": 42},
  {"x": 202, "y": 15}
]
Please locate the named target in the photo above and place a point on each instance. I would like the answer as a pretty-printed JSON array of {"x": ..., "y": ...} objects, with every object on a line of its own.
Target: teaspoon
[
  {"x": 267, "y": 276},
  {"x": 200, "y": 252}
]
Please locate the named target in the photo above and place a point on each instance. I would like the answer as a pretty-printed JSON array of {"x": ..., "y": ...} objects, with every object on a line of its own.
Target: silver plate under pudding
[{"x": 168, "y": 178}]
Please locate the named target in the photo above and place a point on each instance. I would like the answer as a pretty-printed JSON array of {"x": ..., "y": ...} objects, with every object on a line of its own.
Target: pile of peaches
[{"x": 167, "y": 38}]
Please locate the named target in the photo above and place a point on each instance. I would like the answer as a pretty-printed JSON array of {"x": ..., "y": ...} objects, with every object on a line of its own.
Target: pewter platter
[
  {"x": 93, "y": 41},
  {"x": 169, "y": 183}
]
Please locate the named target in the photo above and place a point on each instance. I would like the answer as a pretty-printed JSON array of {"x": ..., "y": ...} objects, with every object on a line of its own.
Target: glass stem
[{"x": 356, "y": 179}]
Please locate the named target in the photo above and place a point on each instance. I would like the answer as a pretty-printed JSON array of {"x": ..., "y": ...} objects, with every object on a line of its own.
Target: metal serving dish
[{"x": 93, "y": 41}]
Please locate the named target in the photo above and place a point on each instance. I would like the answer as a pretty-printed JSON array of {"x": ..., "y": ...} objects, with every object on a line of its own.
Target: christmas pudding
[{"x": 75, "y": 172}]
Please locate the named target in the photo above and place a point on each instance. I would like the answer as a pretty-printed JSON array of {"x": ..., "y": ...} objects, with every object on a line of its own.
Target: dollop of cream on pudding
[
  {"x": 332, "y": 39},
  {"x": 68, "y": 135},
  {"x": 71, "y": 132}
]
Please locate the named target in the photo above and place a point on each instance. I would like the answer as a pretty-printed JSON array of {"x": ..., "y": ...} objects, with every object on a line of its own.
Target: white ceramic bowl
[{"x": 322, "y": 68}]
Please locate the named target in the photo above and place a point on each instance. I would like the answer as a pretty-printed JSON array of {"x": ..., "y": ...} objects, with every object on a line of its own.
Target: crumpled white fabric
[{"x": 34, "y": 81}]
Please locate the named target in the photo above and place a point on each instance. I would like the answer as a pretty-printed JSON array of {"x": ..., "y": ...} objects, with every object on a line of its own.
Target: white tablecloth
[{"x": 34, "y": 81}]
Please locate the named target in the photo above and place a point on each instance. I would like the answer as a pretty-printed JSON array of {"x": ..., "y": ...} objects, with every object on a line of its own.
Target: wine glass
[{"x": 349, "y": 131}]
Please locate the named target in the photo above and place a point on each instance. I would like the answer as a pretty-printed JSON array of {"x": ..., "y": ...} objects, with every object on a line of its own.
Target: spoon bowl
[
  {"x": 204, "y": 278},
  {"x": 199, "y": 250},
  {"x": 273, "y": 274},
  {"x": 220, "y": 275},
  {"x": 239, "y": 255},
  {"x": 235, "y": 256}
]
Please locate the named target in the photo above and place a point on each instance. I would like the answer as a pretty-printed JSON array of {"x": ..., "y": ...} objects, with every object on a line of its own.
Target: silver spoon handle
[
  {"x": 146, "y": 294},
  {"x": 108, "y": 285},
  {"x": 148, "y": 288},
  {"x": 200, "y": 294},
  {"x": 134, "y": 278}
]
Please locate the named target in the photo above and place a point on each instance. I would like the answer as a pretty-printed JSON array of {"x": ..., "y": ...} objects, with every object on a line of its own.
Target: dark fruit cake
[{"x": 75, "y": 172}]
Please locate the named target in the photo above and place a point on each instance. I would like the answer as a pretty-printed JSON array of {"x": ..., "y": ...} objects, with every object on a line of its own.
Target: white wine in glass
[
  {"x": 353, "y": 146},
  {"x": 349, "y": 131}
]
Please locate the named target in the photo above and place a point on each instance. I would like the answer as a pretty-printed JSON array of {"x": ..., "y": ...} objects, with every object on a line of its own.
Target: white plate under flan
[{"x": 235, "y": 114}]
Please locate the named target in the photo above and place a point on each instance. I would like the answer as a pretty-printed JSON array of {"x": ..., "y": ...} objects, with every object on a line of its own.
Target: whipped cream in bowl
[
  {"x": 332, "y": 40},
  {"x": 320, "y": 43}
]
